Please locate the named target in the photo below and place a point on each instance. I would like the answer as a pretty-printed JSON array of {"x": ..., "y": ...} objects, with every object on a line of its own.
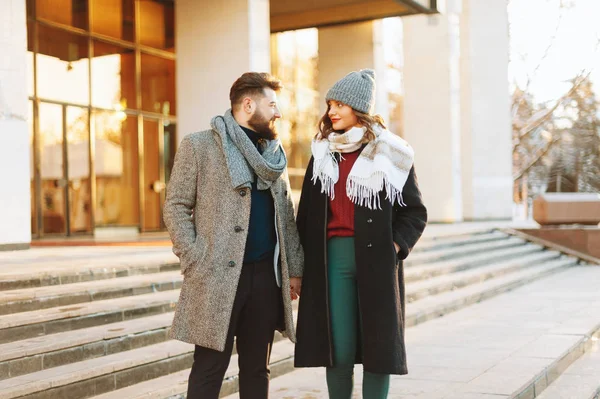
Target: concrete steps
[
  {"x": 99, "y": 375},
  {"x": 470, "y": 262},
  {"x": 28, "y": 299},
  {"x": 66, "y": 318},
  {"x": 47, "y": 351},
  {"x": 434, "y": 243},
  {"x": 175, "y": 385},
  {"x": 108, "y": 336},
  {"x": 462, "y": 278},
  {"x": 40, "y": 267},
  {"x": 581, "y": 380},
  {"x": 461, "y": 251}
]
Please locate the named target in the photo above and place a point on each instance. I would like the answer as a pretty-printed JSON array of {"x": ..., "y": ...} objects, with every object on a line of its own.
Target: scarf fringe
[
  {"x": 364, "y": 194},
  {"x": 371, "y": 173},
  {"x": 327, "y": 182}
]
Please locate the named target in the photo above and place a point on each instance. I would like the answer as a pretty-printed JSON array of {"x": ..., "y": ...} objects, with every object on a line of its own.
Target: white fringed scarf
[{"x": 385, "y": 162}]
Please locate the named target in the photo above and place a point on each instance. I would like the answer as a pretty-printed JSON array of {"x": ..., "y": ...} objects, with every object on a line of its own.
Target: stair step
[
  {"x": 102, "y": 374},
  {"x": 117, "y": 371},
  {"x": 459, "y": 279},
  {"x": 29, "y": 299},
  {"x": 175, "y": 385},
  {"x": 429, "y": 235},
  {"x": 436, "y": 306},
  {"x": 426, "y": 271},
  {"x": 462, "y": 251},
  {"x": 48, "y": 321},
  {"x": 157, "y": 388},
  {"x": 581, "y": 380},
  {"x": 40, "y": 353},
  {"x": 438, "y": 243},
  {"x": 39, "y": 267}
]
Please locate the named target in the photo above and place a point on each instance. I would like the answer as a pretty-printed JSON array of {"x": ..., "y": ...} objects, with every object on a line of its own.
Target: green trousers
[{"x": 345, "y": 316}]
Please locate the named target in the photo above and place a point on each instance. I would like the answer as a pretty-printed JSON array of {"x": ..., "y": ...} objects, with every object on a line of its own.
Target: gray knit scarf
[{"x": 243, "y": 158}]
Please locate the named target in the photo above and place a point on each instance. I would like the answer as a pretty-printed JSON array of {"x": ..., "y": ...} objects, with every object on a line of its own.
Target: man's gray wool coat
[{"x": 208, "y": 221}]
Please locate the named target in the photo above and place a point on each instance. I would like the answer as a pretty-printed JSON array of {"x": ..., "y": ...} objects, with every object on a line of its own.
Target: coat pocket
[{"x": 193, "y": 257}]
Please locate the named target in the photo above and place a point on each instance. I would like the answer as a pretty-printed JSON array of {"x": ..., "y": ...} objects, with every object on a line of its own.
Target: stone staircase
[{"x": 93, "y": 322}]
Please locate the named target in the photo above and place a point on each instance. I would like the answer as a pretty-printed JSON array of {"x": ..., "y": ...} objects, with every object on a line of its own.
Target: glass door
[
  {"x": 153, "y": 172},
  {"x": 79, "y": 206},
  {"x": 64, "y": 173}
]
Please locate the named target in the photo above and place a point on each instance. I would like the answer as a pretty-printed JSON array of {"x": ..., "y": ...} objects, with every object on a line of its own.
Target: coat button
[
  {"x": 369, "y": 220},
  {"x": 237, "y": 229},
  {"x": 231, "y": 264},
  {"x": 243, "y": 192},
  {"x": 369, "y": 245}
]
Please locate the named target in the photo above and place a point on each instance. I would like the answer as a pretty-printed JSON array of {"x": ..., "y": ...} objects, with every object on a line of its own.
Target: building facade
[{"x": 96, "y": 94}]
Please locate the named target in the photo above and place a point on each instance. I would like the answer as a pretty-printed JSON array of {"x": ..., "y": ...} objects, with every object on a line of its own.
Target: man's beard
[{"x": 263, "y": 127}]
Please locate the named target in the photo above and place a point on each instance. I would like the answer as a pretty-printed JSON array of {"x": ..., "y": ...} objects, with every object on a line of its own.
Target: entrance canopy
[{"x": 295, "y": 14}]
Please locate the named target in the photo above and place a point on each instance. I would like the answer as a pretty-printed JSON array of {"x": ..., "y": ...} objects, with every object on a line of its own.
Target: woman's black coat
[{"x": 380, "y": 277}]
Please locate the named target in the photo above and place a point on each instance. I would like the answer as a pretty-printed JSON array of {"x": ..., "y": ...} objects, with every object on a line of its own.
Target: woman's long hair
[{"x": 366, "y": 120}]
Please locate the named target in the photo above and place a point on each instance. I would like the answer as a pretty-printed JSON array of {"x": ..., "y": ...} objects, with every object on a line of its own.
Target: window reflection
[
  {"x": 62, "y": 66},
  {"x": 52, "y": 175},
  {"x": 158, "y": 85},
  {"x": 116, "y": 158},
  {"x": 114, "y": 18},
  {"x": 65, "y": 74},
  {"x": 295, "y": 61},
  {"x": 157, "y": 24},
  {"x": 68, "y": 12},
  {"x": 113, "y": 77},
  {"x": 79, "y": 170},
  {"x": 32, "y": 171},
  {"x": 30, "y": 55},
  {"x": 152, "y": 196}
]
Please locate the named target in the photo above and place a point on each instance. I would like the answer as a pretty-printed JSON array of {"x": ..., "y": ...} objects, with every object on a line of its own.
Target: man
[{"x": 230, "y": 214}]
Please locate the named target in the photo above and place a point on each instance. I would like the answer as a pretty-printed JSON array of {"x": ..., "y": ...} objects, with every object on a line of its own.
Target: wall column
[
  {"x": 485, "y": 115},
  {"x": 217, "y": 41},
  {"x": 15, "y": 197},
  {"x": 432, "y": 110}
]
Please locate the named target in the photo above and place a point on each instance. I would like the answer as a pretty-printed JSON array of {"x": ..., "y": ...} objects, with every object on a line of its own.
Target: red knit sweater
[{"x": 340, "y": 222}]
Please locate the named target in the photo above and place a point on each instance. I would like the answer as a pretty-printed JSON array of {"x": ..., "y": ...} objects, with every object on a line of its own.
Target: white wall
[
  {"x": 485, "y": 115},
  {"x": 432, "y": 110},
  {"x": 15, "y": 199},
  {"x": 217, "y": 41}
]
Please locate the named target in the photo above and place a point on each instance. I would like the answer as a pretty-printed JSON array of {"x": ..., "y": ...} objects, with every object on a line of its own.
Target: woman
[{"x": 360, "y": 214}]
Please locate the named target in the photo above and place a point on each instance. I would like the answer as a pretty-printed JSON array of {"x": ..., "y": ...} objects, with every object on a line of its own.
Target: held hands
[{"x": 295, "y": 287}]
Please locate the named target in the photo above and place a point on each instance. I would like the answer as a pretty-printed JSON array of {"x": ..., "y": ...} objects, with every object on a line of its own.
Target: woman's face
[{"x": 342, "y": 116}]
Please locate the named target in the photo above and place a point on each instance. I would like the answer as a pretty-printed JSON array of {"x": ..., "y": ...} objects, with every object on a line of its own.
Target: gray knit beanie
[{"x": 357, "y": 89}]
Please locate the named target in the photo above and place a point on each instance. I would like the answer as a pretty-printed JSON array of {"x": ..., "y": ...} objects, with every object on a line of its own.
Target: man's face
[{"x": 265, "y": 115}]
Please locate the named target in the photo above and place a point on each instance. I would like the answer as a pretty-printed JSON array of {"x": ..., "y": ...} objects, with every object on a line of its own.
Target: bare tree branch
[
  {"x": 537, "y": 122},
  {"x": 540, "y": 154}
]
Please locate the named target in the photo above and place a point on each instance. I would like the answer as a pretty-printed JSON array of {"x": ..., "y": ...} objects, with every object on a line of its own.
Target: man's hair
[{"x": 252, "y": 84}]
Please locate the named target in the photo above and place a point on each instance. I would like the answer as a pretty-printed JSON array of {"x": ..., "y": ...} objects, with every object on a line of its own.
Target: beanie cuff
[{"x": 350, "y": 100}]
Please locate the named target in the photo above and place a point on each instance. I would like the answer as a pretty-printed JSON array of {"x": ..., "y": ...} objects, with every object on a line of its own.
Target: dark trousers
[{"x": 256, "y": 311}]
